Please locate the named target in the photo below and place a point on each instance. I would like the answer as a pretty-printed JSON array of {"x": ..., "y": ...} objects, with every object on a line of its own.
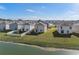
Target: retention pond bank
[{"x": 9, "y": 48}]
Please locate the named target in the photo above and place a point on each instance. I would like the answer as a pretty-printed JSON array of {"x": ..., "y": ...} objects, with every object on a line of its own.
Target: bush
[
  {"x": 56, "y": 34},
  {"x": 76, "y": 34},
  {"x": 34, "y": 33}
]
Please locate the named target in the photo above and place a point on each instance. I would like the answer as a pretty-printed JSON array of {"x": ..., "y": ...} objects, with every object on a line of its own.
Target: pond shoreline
[{"x": 42, "y": 48}]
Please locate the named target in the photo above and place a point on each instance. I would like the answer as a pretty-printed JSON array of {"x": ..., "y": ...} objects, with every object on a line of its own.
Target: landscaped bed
[
  {"x": 56, "y": 34},
  {"x": 45, "y": 40}
]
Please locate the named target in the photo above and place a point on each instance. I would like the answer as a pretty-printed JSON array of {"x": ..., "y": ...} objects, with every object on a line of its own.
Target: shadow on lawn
[
  {"x": 56, "y": 34},
  {"x": 75, "y": 34},
  {"x": 18, "y": 32},
  {"x": 34, "y": 33},
  {"x": 5, "y": 31}
]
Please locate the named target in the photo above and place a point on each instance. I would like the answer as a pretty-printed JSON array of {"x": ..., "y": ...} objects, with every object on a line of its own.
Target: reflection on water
[{"x": 15, "y": 49}]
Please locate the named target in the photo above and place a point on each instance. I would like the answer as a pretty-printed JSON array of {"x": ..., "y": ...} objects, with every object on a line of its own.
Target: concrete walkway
[
  {"x": 11, "y": 33},
  {"x": 26, "y": 32}
]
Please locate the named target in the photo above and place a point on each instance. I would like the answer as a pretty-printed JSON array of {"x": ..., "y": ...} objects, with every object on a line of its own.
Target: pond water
[{"x": 16, "y": 49}]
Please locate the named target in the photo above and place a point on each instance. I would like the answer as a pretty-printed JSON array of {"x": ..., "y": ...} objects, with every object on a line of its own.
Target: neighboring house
[
  {"x": 2, "y": 26},
  {"x": 64, "y": 28},
  {"x": 75, "y": 28},
  {"x": 50, "y": 25},
  {"x": 40, "y": 27},
  {"x": 13, "y": 26},
  {"x": 23, "y": 26},
  {"x": 20, "y": 26},
  {"x": 7, "y": 25},
  {"x": 28, "y": 26}
]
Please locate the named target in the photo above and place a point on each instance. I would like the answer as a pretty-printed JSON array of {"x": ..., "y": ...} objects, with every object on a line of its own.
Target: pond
[{"x": 16, "y": 49}]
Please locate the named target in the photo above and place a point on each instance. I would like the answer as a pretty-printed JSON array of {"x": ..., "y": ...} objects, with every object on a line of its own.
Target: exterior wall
[
  {"x": 13, "y": 26},
  {"x": 2, "y": 27},
  {"x": 75, "y": 28},
  {"x": 65, "y": 29},
  {"x": 26, "y": 27},
  {"x": 20, "y": 27},
  {"x": 7, "y": 26},
  {"x": 32, "y": 27},
  {"x": 40, "y": 28}
]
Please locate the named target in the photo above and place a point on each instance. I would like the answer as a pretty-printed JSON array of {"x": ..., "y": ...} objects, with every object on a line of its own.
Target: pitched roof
[
  {"x": 66, "y": 23},
  {"x": 42, "y": 23}
]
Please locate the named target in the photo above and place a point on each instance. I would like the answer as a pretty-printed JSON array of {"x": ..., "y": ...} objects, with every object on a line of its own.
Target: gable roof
[
  {"x": 41, "y": 23},
  {"x": 65, "y": 23}
]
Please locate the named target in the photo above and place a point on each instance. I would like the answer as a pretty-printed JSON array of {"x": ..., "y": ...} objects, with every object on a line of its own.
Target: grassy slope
[{"x": 46, "y": 39}]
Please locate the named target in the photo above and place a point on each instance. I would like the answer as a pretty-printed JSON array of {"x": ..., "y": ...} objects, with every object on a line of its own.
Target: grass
[{"x": 45, "y": 40}]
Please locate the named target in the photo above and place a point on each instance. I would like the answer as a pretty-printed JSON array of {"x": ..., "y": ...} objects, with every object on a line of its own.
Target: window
[
  {"x": 62, "y": 31},
  {"x": 23, "y": 29},
  {"x": 61, "y": 27},
  {"x": 16, "y": 28},
  {"x": 67, "y": 32},
  {"x": 70, "y": 27},
  {"x": 41, "y": 30},
  {"x": 4, "y": 28}
]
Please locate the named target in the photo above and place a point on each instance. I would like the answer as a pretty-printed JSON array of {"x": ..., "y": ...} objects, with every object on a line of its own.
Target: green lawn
[{"x": 46, "y": 40}]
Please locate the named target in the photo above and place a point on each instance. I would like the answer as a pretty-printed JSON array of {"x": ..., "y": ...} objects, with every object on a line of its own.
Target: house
[
  {"x": 13, "y": 26},
  {"x": 40, "y": 27},
  {"x": 50, "y": 25},
  {"x": 2, "y": 26},
  {"x": 7, "y": 25},
  {"x": 28, "y": 26},
  {"x": 64, "y": 28},
  {"x": 75, "y": 28},
  {"x": 20, "y": 26}
]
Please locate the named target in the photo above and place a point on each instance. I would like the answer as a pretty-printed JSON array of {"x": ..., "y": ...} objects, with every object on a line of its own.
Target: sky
[{"x": 35, "y": 11}]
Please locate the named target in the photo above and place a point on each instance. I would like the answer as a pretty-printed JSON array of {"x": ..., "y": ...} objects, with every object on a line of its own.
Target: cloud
[
  {"x": 71, "y": 14},
  {"x": 34, "y": 11},
  {"x": 2, "y": 8},
  {"x": 30, "y": 10}
]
